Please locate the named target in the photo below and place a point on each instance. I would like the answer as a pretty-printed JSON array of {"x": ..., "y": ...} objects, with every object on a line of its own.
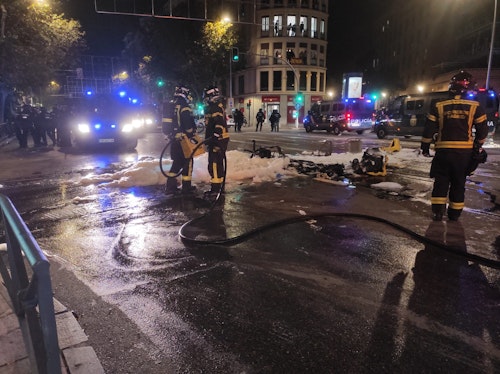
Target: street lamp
[{"x": 491, "y": 46}]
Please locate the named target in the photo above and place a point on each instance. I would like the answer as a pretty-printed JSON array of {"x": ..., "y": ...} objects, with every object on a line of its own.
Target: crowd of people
[{"x": 45, "y": 128}]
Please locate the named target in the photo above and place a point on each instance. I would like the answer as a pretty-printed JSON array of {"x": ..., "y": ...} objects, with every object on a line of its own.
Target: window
[
  {"x": 278, "y": 53},
  {"x": 314, "y": 77},
  {"x": 321, "y": 81},
  {"x": 314, "y": 54},
  {"x": 265, "y": 26},
  {"x": 290, "y": 80},
  {"x": 303, "y": 26},
  {"x": 264, "y": 81},
  {"x": 276, "y": 80},
  {"x": 322, "y": 31},
  {"x": 278, "y": 25},
  {"x": 303, "y": 81},
  {"x": 291, "y": 28},
  {"x": 264, "y": 54},
  {"x": 290, "y": 51},
  {"x": 314, "y": 27}
]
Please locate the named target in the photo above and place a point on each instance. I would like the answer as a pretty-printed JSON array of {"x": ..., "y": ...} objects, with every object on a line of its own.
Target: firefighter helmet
[
  {"x": 460, "y": 83},
  {"x": 184, "y": 92},
  {"x": 211, "y": 95}
]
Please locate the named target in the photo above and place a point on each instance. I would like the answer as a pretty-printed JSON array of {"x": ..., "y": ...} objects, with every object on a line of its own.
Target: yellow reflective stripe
[
  {"x": 460, "y": 144},
  {"x": 166, "y": 120},
  {"x": 426, "y": 140},
  {"x": 455, "y": 205},
  {"x": 480, "y": 119},
  {"x": 186, "y": 108},
  {"x": 439, "y": 200},
  {"x": 431, "y": 117},
  {"x": 171, "y": 175},
  {"x": 217, "y": 180},
  {"x": 186, "y": 178}
]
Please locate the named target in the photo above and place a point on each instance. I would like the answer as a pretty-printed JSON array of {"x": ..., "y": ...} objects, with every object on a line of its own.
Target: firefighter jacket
[
  {"x": 178, "y": 118},
  {"x": 453, "y": 121},
  {"x": 216, "y": 126}
]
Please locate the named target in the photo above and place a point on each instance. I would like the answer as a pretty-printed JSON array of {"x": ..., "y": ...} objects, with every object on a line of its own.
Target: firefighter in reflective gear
[
  {"x": 216, "y": 137},
  {"x": 178, "y": 122},
  {"x": 453, "y": 120}
]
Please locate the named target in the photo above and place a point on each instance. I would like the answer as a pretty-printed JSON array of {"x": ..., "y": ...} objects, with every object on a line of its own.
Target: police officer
[
  {"x": 24, "y": 124},
  {"x": 452, "y": 120},
  {"x": 217, "y": 139},
  {"x": 260, "y": 117},
  {"x": 177, "y": 122}
]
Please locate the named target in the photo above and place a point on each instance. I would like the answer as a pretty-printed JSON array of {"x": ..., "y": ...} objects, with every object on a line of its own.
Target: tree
[
  {"x": 35, "y": 43},
  {"x": 178, "y": 52}
]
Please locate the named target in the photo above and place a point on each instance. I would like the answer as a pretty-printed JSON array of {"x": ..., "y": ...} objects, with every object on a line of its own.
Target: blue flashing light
[
  {"x": 97, "y": 126},
  {"x": 89, "y": 93},
  {"x": 113, "y": 126},
  {"x": 134, "y": 101},
  {"x": 122, "y": 93}
]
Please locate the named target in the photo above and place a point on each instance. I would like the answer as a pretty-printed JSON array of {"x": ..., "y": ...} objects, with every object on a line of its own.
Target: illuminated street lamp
[{"x": 487, "y": 86}]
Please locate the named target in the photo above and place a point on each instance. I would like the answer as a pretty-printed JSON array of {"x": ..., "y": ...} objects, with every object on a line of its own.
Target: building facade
[
  {"x": 418, "y": 42},
  {"x": 286, "y": 56}
]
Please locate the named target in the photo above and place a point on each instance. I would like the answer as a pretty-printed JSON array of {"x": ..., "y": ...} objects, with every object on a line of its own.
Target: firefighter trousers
[{"x": 449, "y": 170}]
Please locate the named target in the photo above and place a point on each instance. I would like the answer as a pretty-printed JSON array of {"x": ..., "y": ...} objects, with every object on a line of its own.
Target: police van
[
  {"x": 406, "y": 114},
  {"x": 341, "y": 115}
]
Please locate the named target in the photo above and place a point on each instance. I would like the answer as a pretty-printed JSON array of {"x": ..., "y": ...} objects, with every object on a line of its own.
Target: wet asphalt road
[{"x": 324, "y": 295}]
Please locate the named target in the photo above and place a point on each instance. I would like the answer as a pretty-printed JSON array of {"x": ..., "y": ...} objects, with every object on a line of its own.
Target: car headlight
[
  {"x": 148, "y": 121},
  {"x": 84, "y": 128},
  {"x": 137, "y": 123},
  {"x": 128, "y": 127}
]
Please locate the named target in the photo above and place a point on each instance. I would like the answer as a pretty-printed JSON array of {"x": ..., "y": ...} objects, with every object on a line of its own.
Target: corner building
[{"x": 286, "y": 55}]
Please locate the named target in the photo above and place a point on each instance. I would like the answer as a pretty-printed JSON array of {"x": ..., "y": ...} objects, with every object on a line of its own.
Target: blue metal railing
[{"x": 38, "y": 326}]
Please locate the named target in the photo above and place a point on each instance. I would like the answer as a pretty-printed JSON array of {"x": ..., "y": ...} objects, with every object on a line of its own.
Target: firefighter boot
[
  {"x": 187, "y": 189},
  {"x": 214, "y": 191},
  {"x": 438, "y": 211},
  {"x": 454, "y": 214},
  {"x": 171, "y": 186}
]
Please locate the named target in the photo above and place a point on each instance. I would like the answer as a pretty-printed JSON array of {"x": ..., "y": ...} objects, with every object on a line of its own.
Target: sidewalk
[{"x": 76, "y": 356}]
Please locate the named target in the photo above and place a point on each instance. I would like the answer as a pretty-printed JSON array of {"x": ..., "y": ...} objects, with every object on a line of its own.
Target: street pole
[
  {"x": 231, "y": 76},
  {"x": 491, "y": 46}
]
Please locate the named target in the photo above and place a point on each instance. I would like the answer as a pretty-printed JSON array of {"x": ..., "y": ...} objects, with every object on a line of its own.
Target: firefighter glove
[
  {"x": 479, "y": 155},
  {"x": 178, "y": 136}
]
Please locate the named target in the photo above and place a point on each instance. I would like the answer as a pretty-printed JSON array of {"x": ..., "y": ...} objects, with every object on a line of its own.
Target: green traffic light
[
  {"x": 160, "y": 82},
  {"x": 235, "y": 55}
]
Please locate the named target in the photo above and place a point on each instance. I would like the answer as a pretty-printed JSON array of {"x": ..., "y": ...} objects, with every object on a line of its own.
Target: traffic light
[
  {"x": 235, "y": 54},
  {"x": 299, "y": 100},
  {"x": 160, "y": 82}
]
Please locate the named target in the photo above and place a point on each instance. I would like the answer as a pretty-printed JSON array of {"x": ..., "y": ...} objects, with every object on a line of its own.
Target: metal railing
[{"x": 25, "y": 259}]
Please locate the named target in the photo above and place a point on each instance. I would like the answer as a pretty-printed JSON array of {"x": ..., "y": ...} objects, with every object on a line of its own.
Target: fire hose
[{"x": 304, "y": 218}]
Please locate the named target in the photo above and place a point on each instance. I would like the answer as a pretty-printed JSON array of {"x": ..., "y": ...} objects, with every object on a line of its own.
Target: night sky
[{"x": 348, "y": 32}]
